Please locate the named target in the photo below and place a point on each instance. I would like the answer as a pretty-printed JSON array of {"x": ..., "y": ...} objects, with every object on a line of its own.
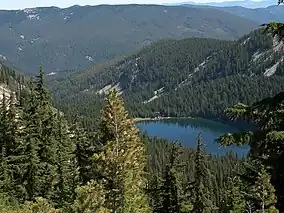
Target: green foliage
[
  {"x": 236, "y": 198},
  {"x": 120, "y": 164},
  {"x": 267, "y": 140},
  {"x": 106, "y": 31},
  {"x": 201, "y": 196},
  {"x": 168, "y": 194},
  {"x": 182, "y": 175},
  {"x": 263, "y": 193},
  {"x": 37, "y": 153},
  {"x": 189, "y": 77}
]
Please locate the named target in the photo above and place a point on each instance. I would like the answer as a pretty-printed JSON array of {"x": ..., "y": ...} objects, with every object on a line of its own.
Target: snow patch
[
  {"x": 165, "y": 11},
  {"x": 107, "y": 88},
  {"x": 3, "y": 57},
  {"x": 271, "y": 71},
  {"x": 197, "y": 69},
  {"x": 202, "y": 65},
  {"x": 277, "y": 45},
  {"x": 89, "y": 58},
  {"x": 20, "y": 49},
  {"x": 33, "y": 40},
  {"x": 22, "y": 36},
  {"x": 66, "y": 18},
  {"x": 246, "y": 41},
  {"x": 33, "y": 17},
  {"x": 4, "y": 91},
  {"x": 157, "y": 94},
  {"x": 29, "y": 10},
  {"x": 151, "y": 99},
  {"x": 51, "y": 73},
  {"x": 256, "y": 55}
]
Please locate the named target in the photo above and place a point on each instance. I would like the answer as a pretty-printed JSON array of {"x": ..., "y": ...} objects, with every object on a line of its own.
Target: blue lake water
[{"x": 187, "y": 130}]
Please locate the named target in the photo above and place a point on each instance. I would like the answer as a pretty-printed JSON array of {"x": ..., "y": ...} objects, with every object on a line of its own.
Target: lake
[{"x": 186, "y": 131}]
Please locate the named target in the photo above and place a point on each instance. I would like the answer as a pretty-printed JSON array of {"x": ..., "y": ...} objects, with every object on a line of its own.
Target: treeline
[
  {"x": 11, "y": 78},
  {"x": 50, "y": 165},
  {"x": 208, "y": 99},
  {"x": 191, "y": 77},
  {"x": 266, "y": 141}
]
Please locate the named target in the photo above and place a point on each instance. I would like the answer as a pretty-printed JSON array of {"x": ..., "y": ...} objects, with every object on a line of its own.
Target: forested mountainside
[
  {"x": 238, "y": 3},
  {"x": 258, "y": 15},
  {"x": 77, "y": 37},
  {"x": 51, "y": 165},
  {"x": 190, "y": 77},
  {"x": 11, "y": 80}
]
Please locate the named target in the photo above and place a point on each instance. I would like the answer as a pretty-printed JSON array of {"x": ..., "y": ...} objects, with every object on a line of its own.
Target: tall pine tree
[
  {"x": 263, "y": 192},
  {"x": 122, "y": 162},
  {"x": 201, "y": 202}
]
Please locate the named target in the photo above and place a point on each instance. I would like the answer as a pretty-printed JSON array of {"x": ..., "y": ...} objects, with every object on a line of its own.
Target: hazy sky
[{"x": 20, "y": 4}]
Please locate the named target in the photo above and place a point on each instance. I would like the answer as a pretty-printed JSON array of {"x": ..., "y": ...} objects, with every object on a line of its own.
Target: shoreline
[
  {"x": 225, "y": 122},
  {"x": 159, "y": 118}
]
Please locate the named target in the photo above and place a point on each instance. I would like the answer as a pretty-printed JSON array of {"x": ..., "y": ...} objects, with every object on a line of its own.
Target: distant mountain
[
  {"x": 244, "y": 3},
  {"x": 259, "y": 15},
  {"x": 190, "y": 77},
  {"x": 77, "y": 37}
]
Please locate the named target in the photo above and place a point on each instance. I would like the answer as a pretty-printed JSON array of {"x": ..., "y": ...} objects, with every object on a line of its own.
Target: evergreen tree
[
  {"x": 236, "y": 198},
  {"x": 46, "y": 137},
  {"x": 30, "y": 147},
  {"x": 10, "y": 136},
  {"x": 47, "y": 149},
  {"x": 263, "y": 193},
  {"x": 83, "y": 152},
  {"x": 5, "y": 179},
  {"x": 122, "y": 162},
  {"x": 66, "y": 170},
  {"x": 201, "y": 203},
  {"x": 266, "y": 141},
  {"x": 169, "y": 195}
]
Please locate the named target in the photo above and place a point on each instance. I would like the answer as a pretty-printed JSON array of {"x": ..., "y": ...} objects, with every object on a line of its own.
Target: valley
[
  {"x": 142, "y": 108},
  {"x": 77, "y": 37},
  {"x": 178, "y": 78}
]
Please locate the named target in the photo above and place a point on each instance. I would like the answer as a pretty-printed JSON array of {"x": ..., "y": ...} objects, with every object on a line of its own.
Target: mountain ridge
[
  {"x": 189, "y": 77},
  {"x": 258, "y": 15},
  {"x": 77, "y": 37},
  {"x": 244, "y": 3}
]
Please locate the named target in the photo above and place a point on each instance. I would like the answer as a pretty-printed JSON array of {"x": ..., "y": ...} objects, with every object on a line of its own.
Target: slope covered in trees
[
  {"x": 259, "y": 15},
  {"x": 51, "y": 165},
  {"x": 37, "y": 36},
  {"x": 11, "y": 80},
  {"x": 190, "y": 77}
]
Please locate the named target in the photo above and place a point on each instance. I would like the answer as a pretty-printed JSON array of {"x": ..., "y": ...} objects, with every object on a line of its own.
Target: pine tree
[
  {"x": 169, "y": 196},
  {"x": 236, "y": 198},
  {"x": 263, "y": 193},
  {"x": 66, "y": 169},
  {"x": 5, "y": 181},
  {"x": 39, "y": 149},
  {"x": 82, "y": 153},
  {"x": 91, "y": 198},
  {"x": 122, "y": 162},
  {"x": 11, "y": 138},
  {"x": 46, "y": 137},
  {"x": 201, "y": 203},
  {"x": 30, "y": 147}
]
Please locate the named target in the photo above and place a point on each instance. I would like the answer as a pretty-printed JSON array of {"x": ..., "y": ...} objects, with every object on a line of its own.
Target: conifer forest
[{"x": 69, "y": 142}]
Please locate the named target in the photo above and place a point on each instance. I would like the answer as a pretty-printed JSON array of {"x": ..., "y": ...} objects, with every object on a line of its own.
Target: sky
[{"x": 21, "y": 4}]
